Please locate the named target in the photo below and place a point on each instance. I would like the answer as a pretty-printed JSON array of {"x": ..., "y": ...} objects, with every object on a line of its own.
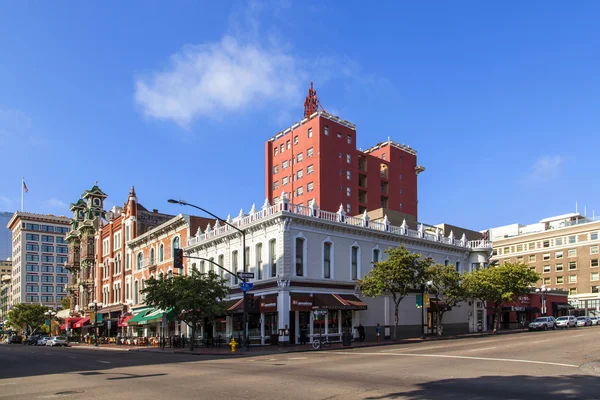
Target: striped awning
[{"x": 337, "y": 302}]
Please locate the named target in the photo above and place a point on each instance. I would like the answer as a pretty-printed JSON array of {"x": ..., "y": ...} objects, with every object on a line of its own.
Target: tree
[
  {"x": 65, "y": 303},
  {"x": 496, "y": 285},
  {"x": 402, "y": 273},
  {"x": 445, "y": 283},
  {"x": 26, "y": 317},
  {"x": 192, "y": 297}
]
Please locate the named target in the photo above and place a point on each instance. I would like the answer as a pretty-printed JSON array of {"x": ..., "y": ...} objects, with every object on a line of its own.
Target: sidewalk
[{"x": 268, "y": 350}]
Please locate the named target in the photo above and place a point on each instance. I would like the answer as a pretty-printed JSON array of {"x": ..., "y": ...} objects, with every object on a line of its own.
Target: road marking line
[
  {"x": 484, "y": 348},
  {"x": 541, "y": 341},
  {"x": 440, "y": 347},
  {"x": 299, "y": 358},
  {"x": 103, "y": 362},
  {"x": 459, "y": 357},
  {"x": 7, "y": 383},
  {"x": 48, "y": 354},
  {"x": 577, "y": 335}
]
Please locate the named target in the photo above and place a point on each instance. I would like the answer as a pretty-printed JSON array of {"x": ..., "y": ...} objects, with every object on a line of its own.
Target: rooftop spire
[{"x": 311, "y": 104}]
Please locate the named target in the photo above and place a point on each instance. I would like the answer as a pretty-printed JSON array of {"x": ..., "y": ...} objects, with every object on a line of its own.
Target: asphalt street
[{"x": 549, "y": 365}]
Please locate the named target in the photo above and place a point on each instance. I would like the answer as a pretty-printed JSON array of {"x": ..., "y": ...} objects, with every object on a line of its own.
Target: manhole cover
[
  {"x": 591, "y": 368},
  {"x": 69, "y": 392}
]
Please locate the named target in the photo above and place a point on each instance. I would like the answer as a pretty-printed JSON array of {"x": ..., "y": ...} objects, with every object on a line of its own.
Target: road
[{"x": 518, "y": 366}]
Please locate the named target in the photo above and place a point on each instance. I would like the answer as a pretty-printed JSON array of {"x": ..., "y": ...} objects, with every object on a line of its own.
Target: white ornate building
[{"x": 304, "y": 259}]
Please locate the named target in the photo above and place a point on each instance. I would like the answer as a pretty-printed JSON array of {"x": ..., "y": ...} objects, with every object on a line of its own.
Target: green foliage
[
  {"x": 65, "y": 303},
  {"x": 192, "y": 297},
  {"x": 496, "y": 285},
  {"x": 26, "y": 318},
  {"x": 445, "y": 283},
  {"x": 401, "y": 273}
]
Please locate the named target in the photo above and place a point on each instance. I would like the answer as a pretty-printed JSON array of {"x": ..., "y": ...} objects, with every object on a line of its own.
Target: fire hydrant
[{"x": 233, "y": 344}]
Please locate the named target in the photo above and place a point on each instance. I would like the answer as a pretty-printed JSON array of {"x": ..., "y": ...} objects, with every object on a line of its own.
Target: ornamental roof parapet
[{"x": 340, "y": 219}]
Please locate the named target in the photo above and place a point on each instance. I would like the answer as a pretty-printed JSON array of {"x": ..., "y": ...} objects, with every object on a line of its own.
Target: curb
[{"x": 302, "y": 350}]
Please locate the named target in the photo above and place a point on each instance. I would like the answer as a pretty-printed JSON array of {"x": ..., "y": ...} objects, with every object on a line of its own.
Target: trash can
[{"x": 347, "y": 339}]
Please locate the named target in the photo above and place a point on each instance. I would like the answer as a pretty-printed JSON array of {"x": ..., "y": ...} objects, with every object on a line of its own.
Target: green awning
[
  {"x": 151, "y": 317},
  {"x": 139, "y": 317}
]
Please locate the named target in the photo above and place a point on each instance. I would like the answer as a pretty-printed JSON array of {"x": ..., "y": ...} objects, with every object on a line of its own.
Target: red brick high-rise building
[{"x": 317, "y": 158}]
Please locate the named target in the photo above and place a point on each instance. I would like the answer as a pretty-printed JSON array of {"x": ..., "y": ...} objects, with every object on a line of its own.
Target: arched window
[
  {"x": 327, "y": 255},
  {"x": 161, "y": 253},
  {"x": 355, "y": 261},
  {"x": 299, "y": 257},
  {"x": 139, "y": 260},
  {"x": 273, "y": 258},
  {"x": 136, "y": 292},
  {"x": 175, "y": 246},
  {"x": 151, "y": 256}
]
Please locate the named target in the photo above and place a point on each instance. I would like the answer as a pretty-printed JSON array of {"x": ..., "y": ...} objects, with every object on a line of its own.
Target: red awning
[
  {"x": 81, "y": 323},
  {"x": 63, "y": 327},
  {"x": 123, "y": 321},
  {"x": 237, "y": 306}
]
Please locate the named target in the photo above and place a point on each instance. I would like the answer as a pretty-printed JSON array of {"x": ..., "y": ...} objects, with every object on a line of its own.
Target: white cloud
[
  {"x": 546, "y": 168},
  {"x": 55, "y": 203},
  {"x": 215, "y": 79}
]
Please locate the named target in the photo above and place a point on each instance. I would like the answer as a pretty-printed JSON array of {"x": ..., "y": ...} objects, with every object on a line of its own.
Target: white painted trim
[
  {"x": 358, "y": 263},
  {"x": 300, "y": 235},
  {"x": 331, "y": 259}
]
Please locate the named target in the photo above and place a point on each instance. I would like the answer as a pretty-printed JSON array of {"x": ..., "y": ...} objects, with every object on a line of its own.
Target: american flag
[{"x": 25, "y": 187}]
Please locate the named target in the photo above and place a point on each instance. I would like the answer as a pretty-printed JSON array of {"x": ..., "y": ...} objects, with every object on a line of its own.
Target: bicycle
[{"x": 320, "y": 342}]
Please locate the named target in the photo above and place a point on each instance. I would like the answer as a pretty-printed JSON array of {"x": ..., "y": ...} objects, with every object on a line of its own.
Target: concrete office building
[{"x": 564, "y": 250}]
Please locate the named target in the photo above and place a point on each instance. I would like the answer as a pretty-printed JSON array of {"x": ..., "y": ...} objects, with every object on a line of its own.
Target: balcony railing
[{"x": 340, "y": 217}]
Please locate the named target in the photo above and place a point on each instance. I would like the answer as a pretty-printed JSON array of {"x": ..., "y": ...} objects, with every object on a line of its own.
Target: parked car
[
  {"x": 542, "y": 323},
  {"x": 31, "y": 340},
  {"x": 42, "y": 341},
  {"x": 15, "y": 339},
  {"x": 566, "y": 322},
  {"x": 57, "y": 341},
  {"x": 584, "y": 321},
  {"x": 595, "y": 320}
]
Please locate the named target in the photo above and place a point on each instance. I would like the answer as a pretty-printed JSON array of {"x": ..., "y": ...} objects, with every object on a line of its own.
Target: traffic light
[
  {"x": 251, "y": 300},
  {"x": 178, "y": 259}
]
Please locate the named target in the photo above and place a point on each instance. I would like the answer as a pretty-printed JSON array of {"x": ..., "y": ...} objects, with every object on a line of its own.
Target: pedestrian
[
  {"x": 378, "y": 331},
  {"x": 361, "y": 332}
]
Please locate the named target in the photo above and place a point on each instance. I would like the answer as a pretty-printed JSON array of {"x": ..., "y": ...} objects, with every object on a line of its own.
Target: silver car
[
  {"x": 595, "y": 320},
  {"x": 584, "y": 321},
  {"x": 42, "y": 341},
  {"x": 57, "y": 341},
  {"x": 566, "y": 322},
  {"x": 542, "y": 323}
]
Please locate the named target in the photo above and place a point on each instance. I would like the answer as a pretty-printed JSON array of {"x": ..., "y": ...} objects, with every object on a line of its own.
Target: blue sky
[{"x": 177, "y": 98}]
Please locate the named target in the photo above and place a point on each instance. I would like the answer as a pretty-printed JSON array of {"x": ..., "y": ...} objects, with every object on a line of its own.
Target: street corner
[{"x": 591, "y": 368}]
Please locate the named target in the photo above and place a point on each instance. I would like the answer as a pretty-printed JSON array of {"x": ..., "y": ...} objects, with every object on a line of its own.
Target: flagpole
[{"x": 22, "y": 193}]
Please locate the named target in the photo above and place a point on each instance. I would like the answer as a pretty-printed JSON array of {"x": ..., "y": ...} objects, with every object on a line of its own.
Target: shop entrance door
[
  {"x": 292, "y": 327},
  {"x": 304, "y": 320}
]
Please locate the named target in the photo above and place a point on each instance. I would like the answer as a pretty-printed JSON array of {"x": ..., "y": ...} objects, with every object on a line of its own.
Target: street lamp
[
  {"x": 244, "y": 293},
  {"x": 423, "y": 286},
  {"x": 50, "y": 314},
  {"x": 543, "y": 290},
  {"x": 95, "y": 305}
]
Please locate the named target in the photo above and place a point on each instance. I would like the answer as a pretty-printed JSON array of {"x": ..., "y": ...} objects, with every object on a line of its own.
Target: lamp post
[
  {"x": 543, "y": 290},
  {"x": 95, "y": 305},
  {"x": 244, "y": 293},
  {"x": 50, "y": 314}
]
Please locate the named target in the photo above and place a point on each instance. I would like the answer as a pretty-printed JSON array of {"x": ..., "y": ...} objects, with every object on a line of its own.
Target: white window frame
[
  {"x": 331, "y": 259},
  {"x": 300, "y": 235},
  {"x": 594, "y": 250},
  {"x": 358, "y": 263}
]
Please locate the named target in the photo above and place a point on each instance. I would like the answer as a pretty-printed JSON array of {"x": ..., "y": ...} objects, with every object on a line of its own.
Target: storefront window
[
  {"x": 319, "y": 325},
  {"x": 271, "y": 324},
  {"x": 333, "y": 322}
]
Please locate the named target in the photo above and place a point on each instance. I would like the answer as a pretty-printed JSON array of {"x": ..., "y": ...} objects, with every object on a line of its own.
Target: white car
[
  {"x": 595, "y": 320},
  {"x": 566, "y": 322},
  {"x": 57, "y": 341},
  {"x": 42, "y": 341}
]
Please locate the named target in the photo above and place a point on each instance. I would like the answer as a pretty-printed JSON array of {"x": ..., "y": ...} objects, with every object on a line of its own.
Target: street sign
[
  {"x": 246, "y": 286},
  {"x": 246, "y": 275},
  {"x": 419, "y": 301}
]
